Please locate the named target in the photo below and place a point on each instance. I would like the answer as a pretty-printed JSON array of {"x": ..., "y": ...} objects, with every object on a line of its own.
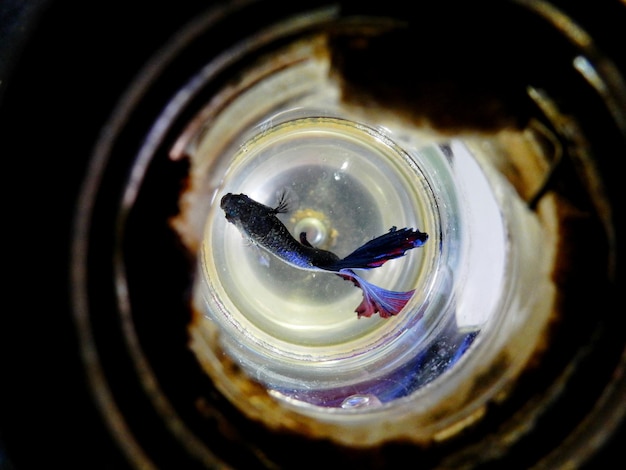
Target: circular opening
[{"x": 345, "y": 183}]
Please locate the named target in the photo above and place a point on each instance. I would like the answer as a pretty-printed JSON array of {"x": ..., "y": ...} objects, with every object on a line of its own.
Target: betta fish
[{"x": 259, "y": 224}]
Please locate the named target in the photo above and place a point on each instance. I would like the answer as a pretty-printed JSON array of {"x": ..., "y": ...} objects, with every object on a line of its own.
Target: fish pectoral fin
[
  {"x": 287, "y": 200},
  {"x": 264, "y": 259},
  {"x": 262, "y": 256}
]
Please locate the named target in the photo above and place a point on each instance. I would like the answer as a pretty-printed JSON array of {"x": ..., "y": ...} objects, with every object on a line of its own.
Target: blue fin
[
  {"x": 378, "y": 251},
  {"x": 376, "y": 299}
]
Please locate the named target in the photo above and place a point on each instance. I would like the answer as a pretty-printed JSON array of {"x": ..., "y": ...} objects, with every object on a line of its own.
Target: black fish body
[{"x": 259, "y": 223}]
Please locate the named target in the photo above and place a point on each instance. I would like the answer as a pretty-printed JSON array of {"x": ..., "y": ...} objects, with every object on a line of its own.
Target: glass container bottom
[{"x": 344, "y": 184}]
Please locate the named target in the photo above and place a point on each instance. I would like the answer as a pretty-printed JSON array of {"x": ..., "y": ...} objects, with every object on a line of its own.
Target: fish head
[{"x": 235, "y": 206}]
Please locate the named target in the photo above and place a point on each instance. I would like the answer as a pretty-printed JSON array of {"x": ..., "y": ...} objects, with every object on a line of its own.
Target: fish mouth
[{"x": 224, "y": 201}]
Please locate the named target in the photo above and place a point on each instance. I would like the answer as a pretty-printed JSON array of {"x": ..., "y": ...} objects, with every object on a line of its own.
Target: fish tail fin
[
  {"x": 379, "y": 250},
  {"x": 376, "y": 299}
]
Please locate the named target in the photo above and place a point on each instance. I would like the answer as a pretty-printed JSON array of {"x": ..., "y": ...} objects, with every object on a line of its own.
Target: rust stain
[{"x": 453, "y": 91}]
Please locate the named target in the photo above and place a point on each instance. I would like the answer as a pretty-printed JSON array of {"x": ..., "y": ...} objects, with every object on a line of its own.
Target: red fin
[{"x": 385, "y": 302}]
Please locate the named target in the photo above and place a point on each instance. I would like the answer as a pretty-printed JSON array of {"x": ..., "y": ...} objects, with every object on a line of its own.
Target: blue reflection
[{"x": 438, "y": 357}]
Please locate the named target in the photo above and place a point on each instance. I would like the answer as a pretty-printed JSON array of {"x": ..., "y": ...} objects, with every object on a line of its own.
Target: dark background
[{"x": 63, "y": 65}]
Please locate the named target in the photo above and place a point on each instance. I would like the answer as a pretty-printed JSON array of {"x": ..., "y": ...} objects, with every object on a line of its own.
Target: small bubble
[{"x": 360, "y": 401}]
